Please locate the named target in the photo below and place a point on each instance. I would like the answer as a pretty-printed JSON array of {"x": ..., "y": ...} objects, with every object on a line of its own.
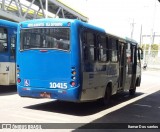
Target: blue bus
[
  {"x": 71, "y": 60},
  {"x": 8, "y": 33}
]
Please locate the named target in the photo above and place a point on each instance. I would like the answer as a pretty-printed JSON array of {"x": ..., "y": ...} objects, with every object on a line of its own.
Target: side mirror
[{"x": 140, "y": 53}]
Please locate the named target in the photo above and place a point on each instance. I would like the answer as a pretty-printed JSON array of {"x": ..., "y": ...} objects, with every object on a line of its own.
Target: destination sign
[{"x": 48, "y": 24}]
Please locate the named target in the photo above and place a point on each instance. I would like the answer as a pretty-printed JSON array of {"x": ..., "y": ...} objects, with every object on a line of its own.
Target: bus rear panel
[
  {"x": 46, "y": 65},
  {"x": 74, "y": 61}
]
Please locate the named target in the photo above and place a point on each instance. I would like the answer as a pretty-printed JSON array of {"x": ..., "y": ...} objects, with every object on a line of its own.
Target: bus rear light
[
  {"x": 18, "y": 70},
  {"x": 73, "y": 84},
  {"x": 73, "y": 72},
  {"x": 73, "y": 77},
  {"x": 18, "y": 80}
]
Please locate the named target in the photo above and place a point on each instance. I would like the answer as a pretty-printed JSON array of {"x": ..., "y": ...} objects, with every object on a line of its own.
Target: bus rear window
[{"x": 45, "y": 38}]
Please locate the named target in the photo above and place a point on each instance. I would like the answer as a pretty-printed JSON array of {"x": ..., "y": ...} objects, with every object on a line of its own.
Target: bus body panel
[
  {"x": 95, "y": 82},
  {"x": 44, "y": 67},
  {"x": 7, "y": 52},
  {"x": 50, "y": 70},
  {"x": 7, "y": 73},
  {"x": 71, "y": 94},
  {"x": 66, "y": 75}
]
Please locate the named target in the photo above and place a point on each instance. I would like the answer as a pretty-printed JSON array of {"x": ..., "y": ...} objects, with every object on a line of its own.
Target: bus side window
[
  {"x": 128, "y": 52},
  {"x": 133, "y": 50},
  {"x": 102, "y": 48},
  {"x": 114, "y": 49},
  {"x": 85, "y": 48},
  {"x": 90, "y": 43},
  {"x": 13, "y": 43},
  {"x": 3, "y": 40},
  {"x": 89, "y": 48}
]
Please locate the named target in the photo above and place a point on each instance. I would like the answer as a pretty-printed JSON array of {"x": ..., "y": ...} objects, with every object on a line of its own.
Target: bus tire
[
  {"x": 106, "y": 99},
  {"x": 133, "y": 90}
]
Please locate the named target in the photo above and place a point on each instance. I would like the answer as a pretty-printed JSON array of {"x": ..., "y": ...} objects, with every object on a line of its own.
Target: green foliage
[{"x": 153, "y": 46}]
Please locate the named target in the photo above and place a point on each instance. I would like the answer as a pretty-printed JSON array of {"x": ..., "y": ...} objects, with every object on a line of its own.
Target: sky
[{"x": 122, "y": 17}]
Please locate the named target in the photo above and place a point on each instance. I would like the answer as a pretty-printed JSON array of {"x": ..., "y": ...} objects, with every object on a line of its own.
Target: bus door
[
  {"x": 134, "y": 64},
  {"x": 122, "y": 65},
  {"x": 138, "y": 70},
  {"x": 13, "y": 58},
  {"x": 128, "y": 66}
]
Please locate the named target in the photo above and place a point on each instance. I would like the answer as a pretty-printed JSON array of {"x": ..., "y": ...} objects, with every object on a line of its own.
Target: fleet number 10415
[{"x": 58, "y": 85}]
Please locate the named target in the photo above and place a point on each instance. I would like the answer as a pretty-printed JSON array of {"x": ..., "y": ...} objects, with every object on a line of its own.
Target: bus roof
[
  {"x": 8, "y": 23},
  {"x": 131, "y": 40},
  {"x": 60, "y": 21},
  {"x": 45, "y": 20}
]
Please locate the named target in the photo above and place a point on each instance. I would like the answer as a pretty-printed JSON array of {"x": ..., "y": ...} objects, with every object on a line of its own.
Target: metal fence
[{"x": 152, "y": 58}]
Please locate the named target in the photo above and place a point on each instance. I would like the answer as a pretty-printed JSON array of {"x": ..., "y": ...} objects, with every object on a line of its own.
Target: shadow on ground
[
  {"x": 146, "y": 110},
  {"x": 80, "y": 109},
  {"x": 8, "y": 90}
]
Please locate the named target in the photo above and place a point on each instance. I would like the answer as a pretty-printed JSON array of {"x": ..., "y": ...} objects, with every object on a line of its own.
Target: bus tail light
[
  {"x": 73, "y": 84},
  {"x": 18, "y": 80},
  {"x": 73, "y": 77},
  {"x": 18, "y": 70},
  {"x": 73, "y": 72}
]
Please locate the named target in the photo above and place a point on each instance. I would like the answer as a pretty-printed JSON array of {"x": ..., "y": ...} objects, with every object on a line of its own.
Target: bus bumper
[{"x": 70, "y": 94}]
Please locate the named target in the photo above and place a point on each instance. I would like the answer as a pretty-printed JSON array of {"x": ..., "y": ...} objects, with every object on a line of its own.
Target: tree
[{"x": 153, "y": 46}]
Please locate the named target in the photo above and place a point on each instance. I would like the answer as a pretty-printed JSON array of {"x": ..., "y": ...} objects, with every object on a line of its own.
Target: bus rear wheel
[
  {"x": 106, "y": 99},
  {"x": 133, "y": 90}
]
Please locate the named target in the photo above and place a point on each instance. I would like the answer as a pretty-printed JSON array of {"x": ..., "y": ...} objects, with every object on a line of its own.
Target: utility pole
[
  {"x": 46, "y": 9},
  {"x": 132, "y": 29},
  {"x": 140, "y": 42},
  {"x": 152, "y": 31}
]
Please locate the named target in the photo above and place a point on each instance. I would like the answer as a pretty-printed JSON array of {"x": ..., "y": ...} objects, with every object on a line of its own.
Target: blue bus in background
[
  {"x": 8, "y": 33},
  {"x": 71, "y": 60}
]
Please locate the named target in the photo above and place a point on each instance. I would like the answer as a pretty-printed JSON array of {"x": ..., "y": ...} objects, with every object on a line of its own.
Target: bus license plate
[{"x": 45, "y": 95}]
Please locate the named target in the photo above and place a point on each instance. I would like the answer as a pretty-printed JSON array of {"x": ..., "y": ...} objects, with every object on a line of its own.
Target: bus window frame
[
  {"x": 110, "y": 44},
  {"x": 133, "y": 53},
  {"x": 129, "y": 52},
  {"x": 13, "y": 55},
  {"x": 22, "y": 49},
  {"x": 99, "y": 48},
  {"x": 88, "y": 46}
]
